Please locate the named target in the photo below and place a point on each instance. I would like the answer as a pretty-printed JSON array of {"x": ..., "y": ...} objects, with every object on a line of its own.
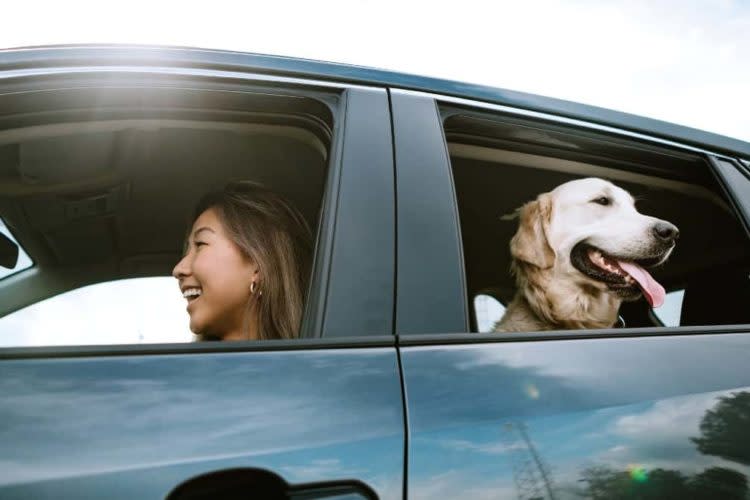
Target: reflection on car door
[
  {"x": 138, "y": 426},
  {"x": 594, "y": 418}
]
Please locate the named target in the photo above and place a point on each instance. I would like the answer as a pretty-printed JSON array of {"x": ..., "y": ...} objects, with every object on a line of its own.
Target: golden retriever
[{"x": 580, "y": 250}]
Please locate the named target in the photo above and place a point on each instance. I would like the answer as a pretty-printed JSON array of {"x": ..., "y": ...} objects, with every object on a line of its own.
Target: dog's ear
[{"x": 530, "y": 244}]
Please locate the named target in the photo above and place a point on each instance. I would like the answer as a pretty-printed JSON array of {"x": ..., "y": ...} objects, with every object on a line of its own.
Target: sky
[{"x": 684, "y": 62}]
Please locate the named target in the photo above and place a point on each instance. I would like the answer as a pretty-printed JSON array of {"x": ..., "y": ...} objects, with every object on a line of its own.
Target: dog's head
[{"x": 589, "y": 232}]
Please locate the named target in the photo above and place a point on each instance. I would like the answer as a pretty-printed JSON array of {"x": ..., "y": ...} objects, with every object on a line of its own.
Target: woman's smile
[{"x": 191, "y": 294}]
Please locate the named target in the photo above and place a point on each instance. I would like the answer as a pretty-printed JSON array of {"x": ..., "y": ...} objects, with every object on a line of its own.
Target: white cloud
[
  {"x": 660, "y": 436},
  {"x": 489, "y": 448},
  {"x": 668, "y": 419}
]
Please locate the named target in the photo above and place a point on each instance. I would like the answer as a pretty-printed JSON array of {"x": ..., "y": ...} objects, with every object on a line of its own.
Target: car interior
[
  {"x": 501, "y": 162},
  {"x": 99, "y": 184}
]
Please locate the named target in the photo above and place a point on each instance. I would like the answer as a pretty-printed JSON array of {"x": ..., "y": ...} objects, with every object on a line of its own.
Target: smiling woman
[{"x": 246, "y": 265}]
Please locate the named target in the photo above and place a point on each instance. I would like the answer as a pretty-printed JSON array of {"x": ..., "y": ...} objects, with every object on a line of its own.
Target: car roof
[{"x": 139, "y": 55}]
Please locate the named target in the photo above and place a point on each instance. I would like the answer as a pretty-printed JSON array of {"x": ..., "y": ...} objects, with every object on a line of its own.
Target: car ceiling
[{"x": 116, "y": 203}]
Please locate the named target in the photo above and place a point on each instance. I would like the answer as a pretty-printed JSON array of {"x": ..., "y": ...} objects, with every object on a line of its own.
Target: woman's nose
[{"x": 182, "y": 268}]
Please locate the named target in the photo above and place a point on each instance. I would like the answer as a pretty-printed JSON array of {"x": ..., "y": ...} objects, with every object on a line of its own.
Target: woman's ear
[{"x": 530, "y": 243}]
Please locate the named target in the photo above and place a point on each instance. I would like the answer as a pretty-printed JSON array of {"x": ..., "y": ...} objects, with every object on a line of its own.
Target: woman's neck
[{"x": 247, "y": 328}]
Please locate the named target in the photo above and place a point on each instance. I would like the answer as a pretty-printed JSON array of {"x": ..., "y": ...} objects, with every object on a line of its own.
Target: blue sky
[{"x": 685, "y": 62}]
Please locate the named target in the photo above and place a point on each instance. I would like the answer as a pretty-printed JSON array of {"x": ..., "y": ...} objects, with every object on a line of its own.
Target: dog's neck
[
  {"x": 520, "y": 317},
  {"x": 546, "y": 303}
]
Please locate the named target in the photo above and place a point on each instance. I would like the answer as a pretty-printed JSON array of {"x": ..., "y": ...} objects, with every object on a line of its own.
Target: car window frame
[
  {"x": 431, "y": 295},
  {"x": 446, "y": 333},
  {"x": 331, "y": 308}
]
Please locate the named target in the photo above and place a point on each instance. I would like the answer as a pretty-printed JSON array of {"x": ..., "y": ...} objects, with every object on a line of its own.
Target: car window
[
  {"x": 697, "y": 262},
  {"x": 107, "y": 207},
  {"x": 133, "y": 311},
  {"x": 669, "y": 313},
  {"x": 488, "y": 311},
  {"x": 24, "y": 261}
]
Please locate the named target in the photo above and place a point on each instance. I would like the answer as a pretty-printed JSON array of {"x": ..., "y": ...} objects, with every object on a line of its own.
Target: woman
[{"x": 246, "y": 265}]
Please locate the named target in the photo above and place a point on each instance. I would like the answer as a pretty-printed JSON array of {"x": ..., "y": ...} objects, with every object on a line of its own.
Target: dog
[{"x": 579, "y": 252}]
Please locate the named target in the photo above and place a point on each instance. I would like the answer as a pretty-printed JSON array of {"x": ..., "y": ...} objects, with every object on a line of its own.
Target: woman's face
[{"x": 215, "y": 277}]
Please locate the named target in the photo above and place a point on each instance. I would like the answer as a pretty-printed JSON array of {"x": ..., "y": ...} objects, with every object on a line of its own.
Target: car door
[
  {"x": 637, "y": 413},
  {"x": 316, "y": 417}
]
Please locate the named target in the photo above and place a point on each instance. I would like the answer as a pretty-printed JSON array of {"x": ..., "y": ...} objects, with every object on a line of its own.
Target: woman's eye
[
  {"x": 200, "y": 243},
  {"x": 602, "y": 201}
]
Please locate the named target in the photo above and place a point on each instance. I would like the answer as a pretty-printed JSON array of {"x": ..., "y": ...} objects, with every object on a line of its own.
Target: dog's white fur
[{"x": 552, "y": 293}]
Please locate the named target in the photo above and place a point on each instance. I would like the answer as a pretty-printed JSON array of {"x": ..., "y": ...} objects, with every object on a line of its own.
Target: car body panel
[
  {"x": 491, "y": 420},
  {"x": 136, "y": 427},
  {"x": 360, "y": 294},
  {"x": 428, "y": 224}
]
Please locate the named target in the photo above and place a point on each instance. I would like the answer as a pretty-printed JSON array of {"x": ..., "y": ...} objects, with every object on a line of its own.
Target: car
[{"x": 396, "y": 388}]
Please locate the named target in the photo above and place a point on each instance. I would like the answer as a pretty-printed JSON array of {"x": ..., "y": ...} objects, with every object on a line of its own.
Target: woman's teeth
[{"x": 190, "y": 293}]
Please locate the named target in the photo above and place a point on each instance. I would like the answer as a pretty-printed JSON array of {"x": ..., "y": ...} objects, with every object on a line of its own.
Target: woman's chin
[{"x": 197, "y": 326}]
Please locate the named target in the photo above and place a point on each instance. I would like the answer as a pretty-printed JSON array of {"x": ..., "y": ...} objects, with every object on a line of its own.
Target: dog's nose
[{"x": 666, "y": 232}]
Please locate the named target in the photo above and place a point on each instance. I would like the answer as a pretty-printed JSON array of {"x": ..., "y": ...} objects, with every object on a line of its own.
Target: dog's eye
[{"x": 603, "y": 200}]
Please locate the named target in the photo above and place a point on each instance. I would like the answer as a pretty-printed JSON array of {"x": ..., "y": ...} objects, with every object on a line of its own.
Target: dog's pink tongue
[{"x": 653, "y": 291}]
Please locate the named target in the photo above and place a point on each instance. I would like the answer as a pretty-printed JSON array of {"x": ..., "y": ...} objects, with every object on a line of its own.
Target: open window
[
  {"x": 17, "y": 255},
  {"x": 99, "y": 184},
  {"x": 499, "y": 162}
]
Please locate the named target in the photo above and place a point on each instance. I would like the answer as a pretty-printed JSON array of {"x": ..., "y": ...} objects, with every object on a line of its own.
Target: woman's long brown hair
[{"x": 271, "y": 232}]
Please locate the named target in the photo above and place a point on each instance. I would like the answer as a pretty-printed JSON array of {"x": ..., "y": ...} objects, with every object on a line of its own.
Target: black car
[{"x": 395, "y": 388}]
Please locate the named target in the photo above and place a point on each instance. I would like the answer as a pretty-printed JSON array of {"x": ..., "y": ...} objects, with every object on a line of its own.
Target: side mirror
[
  {"x": 8, "y": 252},
  {"x": 261, "y": 484}
]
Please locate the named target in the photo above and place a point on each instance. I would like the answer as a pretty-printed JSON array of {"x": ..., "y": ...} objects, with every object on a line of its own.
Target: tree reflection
[
  {"x": 718, "y": 482},
  {"x": 725, "y": 430},
  {"x": 603, "y": 483},
  {"x": 725, "y": 433}
]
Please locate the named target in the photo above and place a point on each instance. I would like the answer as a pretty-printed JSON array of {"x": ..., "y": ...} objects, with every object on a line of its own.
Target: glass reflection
[
  {"x": 135, "y": 427},
  {"x": 694, "y": 447}
]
